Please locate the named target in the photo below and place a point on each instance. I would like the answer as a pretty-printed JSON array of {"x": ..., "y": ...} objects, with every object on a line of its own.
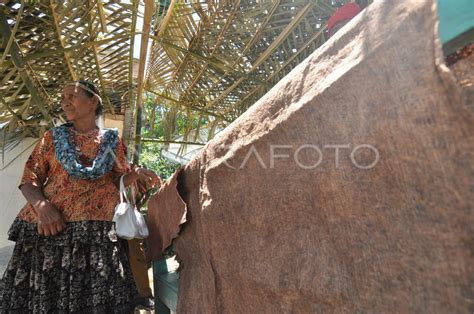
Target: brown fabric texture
[
  {"x": 166, "y": 212},
  {"x": 283, "y": 237}
]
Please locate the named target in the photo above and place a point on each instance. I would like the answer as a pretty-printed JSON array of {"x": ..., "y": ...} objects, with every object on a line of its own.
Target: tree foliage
[
  {"x": 152, "y": 158},
  {"x": 160, "y": 123}
]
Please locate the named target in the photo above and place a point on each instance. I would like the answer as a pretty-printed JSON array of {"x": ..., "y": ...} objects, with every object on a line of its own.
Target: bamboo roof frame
[
  {"x": 215, "y": 59},
  {"x": 208, "y": 59},
  {"x": 49, "y": 42}
]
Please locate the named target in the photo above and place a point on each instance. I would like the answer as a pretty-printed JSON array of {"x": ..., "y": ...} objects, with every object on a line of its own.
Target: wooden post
[{"x": 141, "y": 74}]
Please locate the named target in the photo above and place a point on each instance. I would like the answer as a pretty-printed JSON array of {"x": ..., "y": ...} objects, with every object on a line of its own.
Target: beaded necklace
[{"x": 67, "y": 154}]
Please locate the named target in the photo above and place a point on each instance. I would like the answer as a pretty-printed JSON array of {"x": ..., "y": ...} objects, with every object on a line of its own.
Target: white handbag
[{"x": 129, "y": 222}]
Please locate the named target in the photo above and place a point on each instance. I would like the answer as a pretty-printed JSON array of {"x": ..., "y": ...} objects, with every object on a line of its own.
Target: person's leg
[{"x": 140, "y": 271}]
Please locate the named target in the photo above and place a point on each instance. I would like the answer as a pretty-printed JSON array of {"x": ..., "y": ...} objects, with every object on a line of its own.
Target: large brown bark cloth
[{"x": 279, "y": 237}]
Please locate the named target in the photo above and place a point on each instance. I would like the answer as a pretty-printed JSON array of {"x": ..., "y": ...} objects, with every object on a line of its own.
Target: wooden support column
[
  {"x": 141, "y": 74},
  {"x": 128, "y": 132}
]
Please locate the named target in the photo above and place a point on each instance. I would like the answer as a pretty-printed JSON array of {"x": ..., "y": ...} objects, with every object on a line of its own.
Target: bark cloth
[{"x": 281, "y": 237}]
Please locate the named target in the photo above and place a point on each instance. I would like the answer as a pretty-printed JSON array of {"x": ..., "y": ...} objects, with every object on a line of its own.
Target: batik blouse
[{"x": 77, "y": 199}]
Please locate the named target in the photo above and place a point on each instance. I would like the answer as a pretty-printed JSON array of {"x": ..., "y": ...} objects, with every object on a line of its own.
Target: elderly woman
[{"x": 67, "y": 257}]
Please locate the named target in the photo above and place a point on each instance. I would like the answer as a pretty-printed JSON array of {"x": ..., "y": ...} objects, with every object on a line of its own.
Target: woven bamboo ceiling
[
  {"x": 219, "y": 57},
  {"x": 209, "y": 57}
]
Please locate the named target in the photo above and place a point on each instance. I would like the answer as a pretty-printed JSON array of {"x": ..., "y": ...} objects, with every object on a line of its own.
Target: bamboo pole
[
  {"x": 141, "y": 73},
  {"x": 15, "y": 29},
  {"x": 220, "y": 38},
  {"x": 166, "y": 20},
  {"x": 171, "y": 142},
  {"x": 103, "y": 21},
  {"x": 20, "y": 64},
  {"x": 52, "y": 52},
  {"x": 128, "y": 125},
  {"x": 97, "y": 64},
  {"x": 188, "y": 106},
  {"x": 284, "y": 34},
  {"x": 61, "y": 41},
  {"x": 252, "y": 92},
  {"x": 250, "y": 44}
]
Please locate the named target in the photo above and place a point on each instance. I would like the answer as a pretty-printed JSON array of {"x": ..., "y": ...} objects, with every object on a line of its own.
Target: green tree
[{"x": 151, "y": 157}]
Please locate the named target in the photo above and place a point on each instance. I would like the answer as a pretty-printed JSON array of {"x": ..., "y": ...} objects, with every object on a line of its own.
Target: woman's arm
[
  {"x": 130, "y": 177},
  {"x": 50, "y": 220},
  {"x": 132, "y": 173},
  {"x": 32, "y": 193},
  {"x": 146, "y": 177}
]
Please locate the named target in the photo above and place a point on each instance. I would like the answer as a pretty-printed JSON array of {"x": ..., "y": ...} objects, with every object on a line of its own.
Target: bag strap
[
  {"x": 132, "y": 191},
  {"x": 123, "y": 192}
]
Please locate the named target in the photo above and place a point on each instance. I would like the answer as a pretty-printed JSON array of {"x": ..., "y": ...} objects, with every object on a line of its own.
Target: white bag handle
[{"x": 123, "y": 192}]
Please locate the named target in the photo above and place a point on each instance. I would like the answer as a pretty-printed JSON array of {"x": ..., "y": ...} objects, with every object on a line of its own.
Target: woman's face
[{"x": 77, "y": 104}]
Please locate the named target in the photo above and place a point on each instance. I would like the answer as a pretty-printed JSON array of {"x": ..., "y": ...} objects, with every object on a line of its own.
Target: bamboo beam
[
  {"x": 9, "y": 109},
  {"x": 51, "y": 52},
  {"x": 277, "y": 42},
  {"x": 188, "y": 106},
  {"x": 243, "y": 100},
  {"x": 261, "y": 28},
  {"x": 97, "y": 64},
  {"x": 143, "y": 49},
  {"x": 163, "y": 26},
  {"x": 141, "y": 69},
  {"x": 250, "y": 44},
  {"x": 128, "y": 124},
  {"x": 283, "y": 35},
  {"x": 18, "y": 119},
  {"x": 103, "y": 21},
  {"x": 214, "y": 62},
  {"x": 220, "y": 37},
  {"x": 170, "y": 142},
  {"x": 101, "y": 80},
  {"x": 195, "y": 33},
  {"x": 166, "y": 20},
  {"x": 61, "y": 41},
  {"x": 20, "y": 64},
  {"x": 15, "y": 29}
]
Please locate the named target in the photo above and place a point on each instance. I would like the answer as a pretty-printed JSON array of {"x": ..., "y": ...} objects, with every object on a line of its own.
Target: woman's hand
[
  {"x": 50, "y": 220},
  {"x": 144, "y": 178},
  {"x": 147, "y": 178}
]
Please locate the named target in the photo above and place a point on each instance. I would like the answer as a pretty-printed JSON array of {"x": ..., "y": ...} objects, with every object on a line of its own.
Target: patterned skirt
[{"x": 85, "y": 269}]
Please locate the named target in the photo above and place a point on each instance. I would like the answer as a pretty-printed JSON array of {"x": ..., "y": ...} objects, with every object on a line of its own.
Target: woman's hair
[{"x": 91, "y": 86}]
